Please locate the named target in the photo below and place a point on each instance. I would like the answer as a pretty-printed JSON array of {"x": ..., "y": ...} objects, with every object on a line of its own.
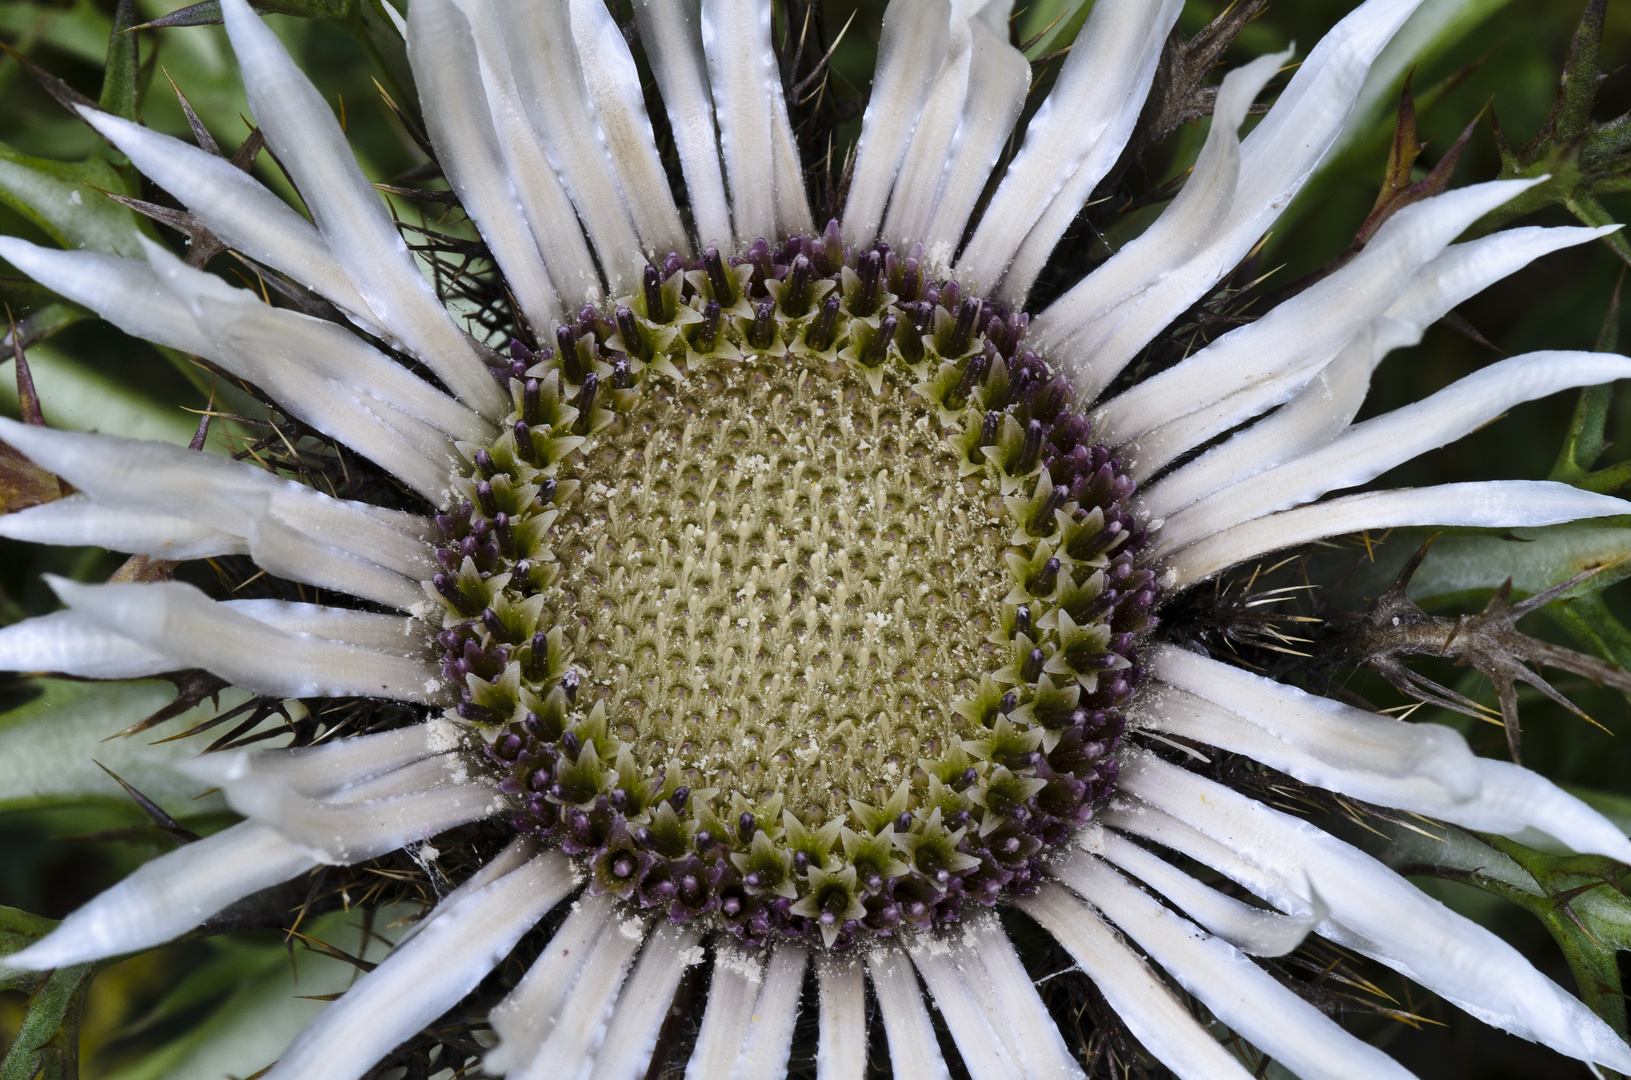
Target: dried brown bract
[{"x": 1396, "y": 627}]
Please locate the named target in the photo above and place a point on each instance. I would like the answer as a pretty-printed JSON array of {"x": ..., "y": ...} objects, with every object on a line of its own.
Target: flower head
[{"x": 759, "y": 592}]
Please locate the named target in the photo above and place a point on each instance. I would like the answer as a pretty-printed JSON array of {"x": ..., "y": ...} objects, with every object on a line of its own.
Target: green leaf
[
  {"x": 1577, "y": 90},
  {"x": 51, "y": 746},
  {"x": 46, "y": 1046},
  {"x": 266, "y": 1000},
  {"x": 375, "y": 25},
  {"x": 61, "y": 199},
  {"x": 119, "y": 77},
  {"x": 1464, "y": 567},
  {"x": 1588, "y": 620},
  {"x": 1587, "y": 914},
  {"x": 79, "y": 397},
  {"x": 38, "y": 325},
  {"x": 80, "y": 30},
  {"x": 208, "y": 13}
]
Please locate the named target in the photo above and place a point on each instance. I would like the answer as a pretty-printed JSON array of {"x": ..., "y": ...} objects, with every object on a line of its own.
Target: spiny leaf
[
  {"x": 23, "y": 483},
  {"x": 1395, "y": 627},
  {"x": 1580, "y": 159},
  {"x": 1582, "y": 74},
  {"x": 1403, "y": 152},
  {"x": 1177, "y": 95},
  {"x": 201, "y": 134},
  {"x": 1398, "y": 191},
  {"x": 119, "y": 78},
  {"x": 208, "y": 13},
  {"x": 374, "y": 26},
  {"x": 28, "y": 399},
  {"x": 1585, "y": 442},
  {"x": 60, "y": 198},
  {"x": 53, "y": 317},
  {"x": 47, "y": 1042}
]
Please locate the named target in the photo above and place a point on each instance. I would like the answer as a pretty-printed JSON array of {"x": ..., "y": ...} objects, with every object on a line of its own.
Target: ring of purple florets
[{"x": 1048, "y": 721}]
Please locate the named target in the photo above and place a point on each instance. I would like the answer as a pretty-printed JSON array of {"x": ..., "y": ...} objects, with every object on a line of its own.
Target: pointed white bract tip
[
  {"x": 168, "y": 896},
  {"x": 66, "y": 589},
  {"x": 43, "y": 955},
  {"x": 21, "y": 254},
  {"x": 106, "y": 124},
  {"x": 217, "y": 770}
]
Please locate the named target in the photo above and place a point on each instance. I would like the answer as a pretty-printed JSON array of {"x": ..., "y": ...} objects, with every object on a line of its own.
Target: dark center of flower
[{"x": 795, "y": 596}]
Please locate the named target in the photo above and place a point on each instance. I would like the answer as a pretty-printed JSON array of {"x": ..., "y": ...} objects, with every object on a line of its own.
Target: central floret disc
[
  {"x": 779, "y": 583},
  {"x": 794, "y": 596}
]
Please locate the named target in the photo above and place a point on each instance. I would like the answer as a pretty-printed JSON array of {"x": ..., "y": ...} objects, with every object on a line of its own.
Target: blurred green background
[{"x": 147, "y": 1016}]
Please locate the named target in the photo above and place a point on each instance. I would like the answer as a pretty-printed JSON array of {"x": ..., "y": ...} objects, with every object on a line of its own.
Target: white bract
[{"x": 540, "y": 122}]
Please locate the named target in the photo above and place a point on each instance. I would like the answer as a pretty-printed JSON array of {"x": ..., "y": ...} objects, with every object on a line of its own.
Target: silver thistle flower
[{"x": 786, "y": 595}]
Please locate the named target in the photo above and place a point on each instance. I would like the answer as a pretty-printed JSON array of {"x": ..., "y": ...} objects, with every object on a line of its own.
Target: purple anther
[
  {"x": 449, "y": 590},
  {"x": 719, "y": 278},
  {"x": 911, "y": 277},
  {"x": 877, "y": 349},
  {"x": 762, "y": 331},
  {"x": 832, "y": 243},
  {"x": 962, "y": 328},
  {"x": 1031, "y": 449},
  {"x": 869, "y": 267},
  {"x": 566, "y": 338},
  {"x": 628, "y": 328},
  {"x": 706, "y": 332},
  {"x": 824, "y": 328},
  {"x": 1052, "y": 501},
  {"x": 796, "y": 297},
  {"x": 524, "y": 447},
  {"x": 651, "y": 289},
  {"x": 990, "y": 427},
  {"x": 1043, "y": 581},
  {"x": 531, "y": 394},
  {"x": 586, "y": 403},
  {"x": 484, "y": 496}
]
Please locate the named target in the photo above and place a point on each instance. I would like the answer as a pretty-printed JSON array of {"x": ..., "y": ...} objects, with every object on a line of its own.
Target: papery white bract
[{"x": 540, "y": 124}]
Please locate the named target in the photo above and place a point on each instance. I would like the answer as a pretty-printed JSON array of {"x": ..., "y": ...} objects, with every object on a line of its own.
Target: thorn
[
  {"x": 160, "y": 818},
  {"x": 201, "y": 134},
  {"x": 28, "y": 400},
  {"x": 1410, "y": 567},
  {"x": 201, "y": 436}
]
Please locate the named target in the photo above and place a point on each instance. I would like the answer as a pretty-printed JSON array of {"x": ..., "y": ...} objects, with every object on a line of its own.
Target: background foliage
[{"x": 207, "y": 1008}]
